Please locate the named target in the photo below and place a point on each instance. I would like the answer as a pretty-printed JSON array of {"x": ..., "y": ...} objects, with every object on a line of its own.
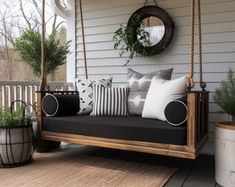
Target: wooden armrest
[{"x": 197, "y": 123}]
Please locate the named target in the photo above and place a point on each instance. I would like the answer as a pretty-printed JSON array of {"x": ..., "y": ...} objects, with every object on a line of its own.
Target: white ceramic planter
[{"x": 225, "y": 155}]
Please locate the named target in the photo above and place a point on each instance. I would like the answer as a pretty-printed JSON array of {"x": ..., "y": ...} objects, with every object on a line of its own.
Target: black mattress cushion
[
  {"x": 60, "y": 105},
  {"x": 129, "y": 128}
]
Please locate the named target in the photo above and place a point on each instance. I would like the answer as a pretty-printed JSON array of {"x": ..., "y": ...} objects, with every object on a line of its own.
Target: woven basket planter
[
  {"x": 16, "y": 142},
  {"x": 16, "y": 145}
]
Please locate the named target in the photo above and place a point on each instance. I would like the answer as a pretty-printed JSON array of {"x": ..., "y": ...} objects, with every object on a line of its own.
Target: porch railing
[{"x": 24, "y": 90}]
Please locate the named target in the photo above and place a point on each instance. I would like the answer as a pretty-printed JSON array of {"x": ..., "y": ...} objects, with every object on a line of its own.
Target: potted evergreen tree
[
  {"x": 16, "y": 136},
  {"x": 225, "y": 95},
  {"x": 29, "y": 47}
]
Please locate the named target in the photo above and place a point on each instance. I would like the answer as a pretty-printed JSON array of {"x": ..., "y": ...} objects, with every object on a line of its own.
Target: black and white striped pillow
[{"x": 109, "y": 101}]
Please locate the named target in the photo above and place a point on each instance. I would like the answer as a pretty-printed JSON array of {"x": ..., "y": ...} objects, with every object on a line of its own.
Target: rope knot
[
  {"x": 203, "y": 85},
  {"x": 190, "y": 83}
]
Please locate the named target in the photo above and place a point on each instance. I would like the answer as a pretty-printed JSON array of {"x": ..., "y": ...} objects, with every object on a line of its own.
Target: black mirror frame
[{"x": 156, "y": 11}]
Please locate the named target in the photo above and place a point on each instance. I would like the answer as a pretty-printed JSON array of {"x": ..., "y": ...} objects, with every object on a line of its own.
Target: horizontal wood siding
[{"x": 103, "y": 17}]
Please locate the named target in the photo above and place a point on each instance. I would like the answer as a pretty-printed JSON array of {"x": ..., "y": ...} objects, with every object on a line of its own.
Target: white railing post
[
  {"x": 15, "y": 96},
  {"x": 3, "y": 95},
  {"x": 31, "y": 94},
  {"x": 9, "y": 88},
  {"x": 26, "y": 93},
  {"x": 20, "y": 92}
]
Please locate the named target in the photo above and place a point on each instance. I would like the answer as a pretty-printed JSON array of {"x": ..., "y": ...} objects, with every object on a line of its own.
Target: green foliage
[
  {"x": 126, "y": 39},
  {"x": 15, "y": 118},
  {"x": 29, "y": 47},
  {"x": 225, "y": 95}
]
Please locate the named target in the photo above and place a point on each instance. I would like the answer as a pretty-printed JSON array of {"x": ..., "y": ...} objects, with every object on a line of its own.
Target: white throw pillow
[{"x": 160, "y": 93}]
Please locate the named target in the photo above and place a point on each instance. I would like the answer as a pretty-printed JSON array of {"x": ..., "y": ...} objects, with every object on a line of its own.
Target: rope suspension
[
  {"x": 146, "y": 1},
  {"x": 190, "y": 80},
  {"x": 191, "y": 83},
  {"x": 202, "y": 83},
  {"x": 83, "y": 39}
]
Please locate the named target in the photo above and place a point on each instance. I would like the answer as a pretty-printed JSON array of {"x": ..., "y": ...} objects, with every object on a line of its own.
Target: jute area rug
[{"x": 81, "y": 166}]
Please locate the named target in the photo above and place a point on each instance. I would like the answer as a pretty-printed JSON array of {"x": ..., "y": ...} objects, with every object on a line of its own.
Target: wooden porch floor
[{"x": 191, "y": 173}]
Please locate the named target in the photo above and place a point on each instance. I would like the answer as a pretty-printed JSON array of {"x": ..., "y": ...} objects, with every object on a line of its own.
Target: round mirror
[{"x": 152, "y": 28}]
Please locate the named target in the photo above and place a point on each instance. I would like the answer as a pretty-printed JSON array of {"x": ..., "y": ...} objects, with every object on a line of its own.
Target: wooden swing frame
[
  {"x": 197, "y": 123},
  {"x": 197, "y": 130}
]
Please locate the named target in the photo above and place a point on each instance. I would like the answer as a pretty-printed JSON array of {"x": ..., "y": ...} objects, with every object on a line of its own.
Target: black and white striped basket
[{"x": 16, "y": 143}]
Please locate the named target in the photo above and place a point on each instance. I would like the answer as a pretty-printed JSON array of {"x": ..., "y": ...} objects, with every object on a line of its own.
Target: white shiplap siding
[{"x": 103, "y": 17}]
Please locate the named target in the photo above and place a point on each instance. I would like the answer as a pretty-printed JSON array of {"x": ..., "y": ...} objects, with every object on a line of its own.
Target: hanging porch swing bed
[{"x": 131, "y": 133}]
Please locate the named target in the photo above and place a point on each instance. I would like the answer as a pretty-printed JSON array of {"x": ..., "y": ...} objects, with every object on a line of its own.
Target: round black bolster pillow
[
  {"x": 176, "y": 112},
  {"x": 60, "y": 105}
]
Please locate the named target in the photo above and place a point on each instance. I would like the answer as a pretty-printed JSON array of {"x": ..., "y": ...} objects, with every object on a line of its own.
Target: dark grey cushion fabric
[
  {"x": 139, "y": 85},
  {"x": 129, "y": 128}
]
